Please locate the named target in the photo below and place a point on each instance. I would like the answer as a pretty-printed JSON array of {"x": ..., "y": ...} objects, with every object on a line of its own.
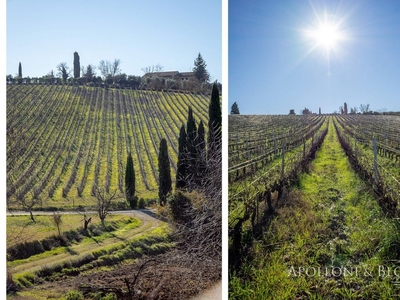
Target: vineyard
[
  {"x": 265, "y": 155},
  {"x": 266, "y": 151},
  {"x": 64, "y": 141},
  {"x": 314, "y": 192},
  {"x": 373, "y": 146}
]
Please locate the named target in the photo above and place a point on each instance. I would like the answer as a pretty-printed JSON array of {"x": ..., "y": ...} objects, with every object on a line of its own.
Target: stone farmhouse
[{"x": 175, "y": 75}]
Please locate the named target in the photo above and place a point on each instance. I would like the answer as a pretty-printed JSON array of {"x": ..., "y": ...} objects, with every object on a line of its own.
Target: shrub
[
  {"x": 11, "y": 286},
  {"x": 110, "y": 296},
  {"x": 27, "y": 249},
  {"x": 141, "y": 203},
  {"x": 74, "y": 235},
  {"x": 133, "y": 202},
  {"x": 96, "y": 296},
  {"x": 24, "y": 250},
  {"x": 71, "y": 271},
  {"x": 151, "y": 202},
  {"x": 121, "y": 205},
  {"x": 179, "y": 205},
  {"x": 74, "y": 295}
]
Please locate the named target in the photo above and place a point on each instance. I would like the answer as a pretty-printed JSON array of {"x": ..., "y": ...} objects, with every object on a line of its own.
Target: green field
[{"x": 63, "y": 141}]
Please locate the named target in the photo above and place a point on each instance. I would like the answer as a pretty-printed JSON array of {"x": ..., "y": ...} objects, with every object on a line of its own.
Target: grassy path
[
  {"x": 144, "y": 225},
  {"x": 329, "y": 240}
]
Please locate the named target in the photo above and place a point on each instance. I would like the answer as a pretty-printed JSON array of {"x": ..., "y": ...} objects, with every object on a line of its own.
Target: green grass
[
  {"x": 22, "y": 228},
  {"x": 120, "y": 225},
  {"x": 330, "y": 220},
  {"x": 154, "y": 241}
]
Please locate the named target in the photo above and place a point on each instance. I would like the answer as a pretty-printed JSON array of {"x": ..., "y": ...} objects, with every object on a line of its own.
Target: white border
[
  {"x": 225, "y": 149},
  {"x": 3, "y": 222}
]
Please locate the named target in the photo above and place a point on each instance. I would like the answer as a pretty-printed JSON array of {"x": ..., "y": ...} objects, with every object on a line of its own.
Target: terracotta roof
[
  {"x": 163, "y": 74},
  {"x": 187, "y": 73}
]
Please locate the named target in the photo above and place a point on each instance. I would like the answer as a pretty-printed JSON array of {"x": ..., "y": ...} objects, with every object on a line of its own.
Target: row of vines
[
  {"x": 63, "y": 141},
  {"x": 373, "y": 146},
  {"x": 266, "y": 153}
]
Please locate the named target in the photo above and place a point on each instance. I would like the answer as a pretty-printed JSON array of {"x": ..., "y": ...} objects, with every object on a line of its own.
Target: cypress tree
[
  {"x": 20, "y": 70},
  {"x": 77, "y": 65},
  {"x": 201, "y": 146},
  {"x": 201, "y": 138},
  {"x": 19, "y": 73},
  {"x": 181, "y": 171},
  {"x": 164, "y": 173},
  {"x": 214, "y": 121},
  {"x": 192, "y": 146},
  {"x": 130, "y": 183}
]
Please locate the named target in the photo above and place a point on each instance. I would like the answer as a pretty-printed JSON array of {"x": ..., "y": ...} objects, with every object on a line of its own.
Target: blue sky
[
  {"x": 42, "y": 34},
  {"x": 274, "y": 65}
]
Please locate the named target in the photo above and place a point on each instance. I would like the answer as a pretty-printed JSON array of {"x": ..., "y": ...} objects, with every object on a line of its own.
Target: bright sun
[{"x": 326, "y": 35}]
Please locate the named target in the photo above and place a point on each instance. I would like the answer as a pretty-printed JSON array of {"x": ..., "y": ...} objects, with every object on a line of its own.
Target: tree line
[{"x": 110, "y": 74}]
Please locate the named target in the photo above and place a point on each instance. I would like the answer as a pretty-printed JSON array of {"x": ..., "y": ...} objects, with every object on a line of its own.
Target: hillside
[{"x": 64, "y": 140}]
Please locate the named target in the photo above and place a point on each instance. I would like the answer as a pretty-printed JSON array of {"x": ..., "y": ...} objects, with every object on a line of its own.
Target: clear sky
[
  {"x": 279, "y": 60},
  {"x": 42, "y": 34}
]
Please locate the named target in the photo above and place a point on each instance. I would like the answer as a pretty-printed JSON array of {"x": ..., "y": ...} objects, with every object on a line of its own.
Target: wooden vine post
[
  {"x": 283, "y": 172},
  {"x": 375, "y": 167}
]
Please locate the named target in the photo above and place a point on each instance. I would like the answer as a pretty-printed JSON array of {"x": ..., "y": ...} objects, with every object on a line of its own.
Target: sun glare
[{"x": 326, "y": 35}]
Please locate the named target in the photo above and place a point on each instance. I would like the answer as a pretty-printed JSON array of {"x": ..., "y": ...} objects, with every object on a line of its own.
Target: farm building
[{"x": 175, "y": 75}]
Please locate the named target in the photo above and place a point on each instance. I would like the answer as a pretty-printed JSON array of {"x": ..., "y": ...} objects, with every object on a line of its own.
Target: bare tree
[
  {"x": 27, "y": 204},
  {"x": 110, "y": 69},
  {"x": 104, "y": 201},
  {"x": 115, "y": 67},
  {"x": 86, "y": 220},
  {"x": 104, "y": 67},
  {"x": 63, "y": 71},
  {"x": 153, "y": 69},
  {"x": 354, "y": 110},
  {"x": 364, "y": 108},
  {"x": 56, "y": 218}
]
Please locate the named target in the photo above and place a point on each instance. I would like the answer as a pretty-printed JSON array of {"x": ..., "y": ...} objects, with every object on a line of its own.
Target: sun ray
[{"x": 326, "y": 34}]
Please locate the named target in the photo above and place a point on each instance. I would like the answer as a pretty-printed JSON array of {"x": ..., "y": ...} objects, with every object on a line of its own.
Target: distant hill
[{"x": 63, "y": 140}]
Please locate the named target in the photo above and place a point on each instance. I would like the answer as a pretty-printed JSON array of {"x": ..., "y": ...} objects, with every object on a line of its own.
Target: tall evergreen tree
[
  {"x": 200, "y": 70},
  {"x": 20, "y": 70},
  {"x": 19, "y": 73},
  {"x": 77, "y": 65},
  {"x": 201, "y": 138},
  {"x": 89, "y": 73},
  {"x": 164, "y": 173},
  {"x": 202, "y": 155},
  {"x": 181, "y": 172},
  {"x": 235, "y": 109},
  {"x": 192, "y": 146},
  {"x": 214, "y": 121},
  {"x": 345, "y": 108},
  {"x": 130, "y": 183}
]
